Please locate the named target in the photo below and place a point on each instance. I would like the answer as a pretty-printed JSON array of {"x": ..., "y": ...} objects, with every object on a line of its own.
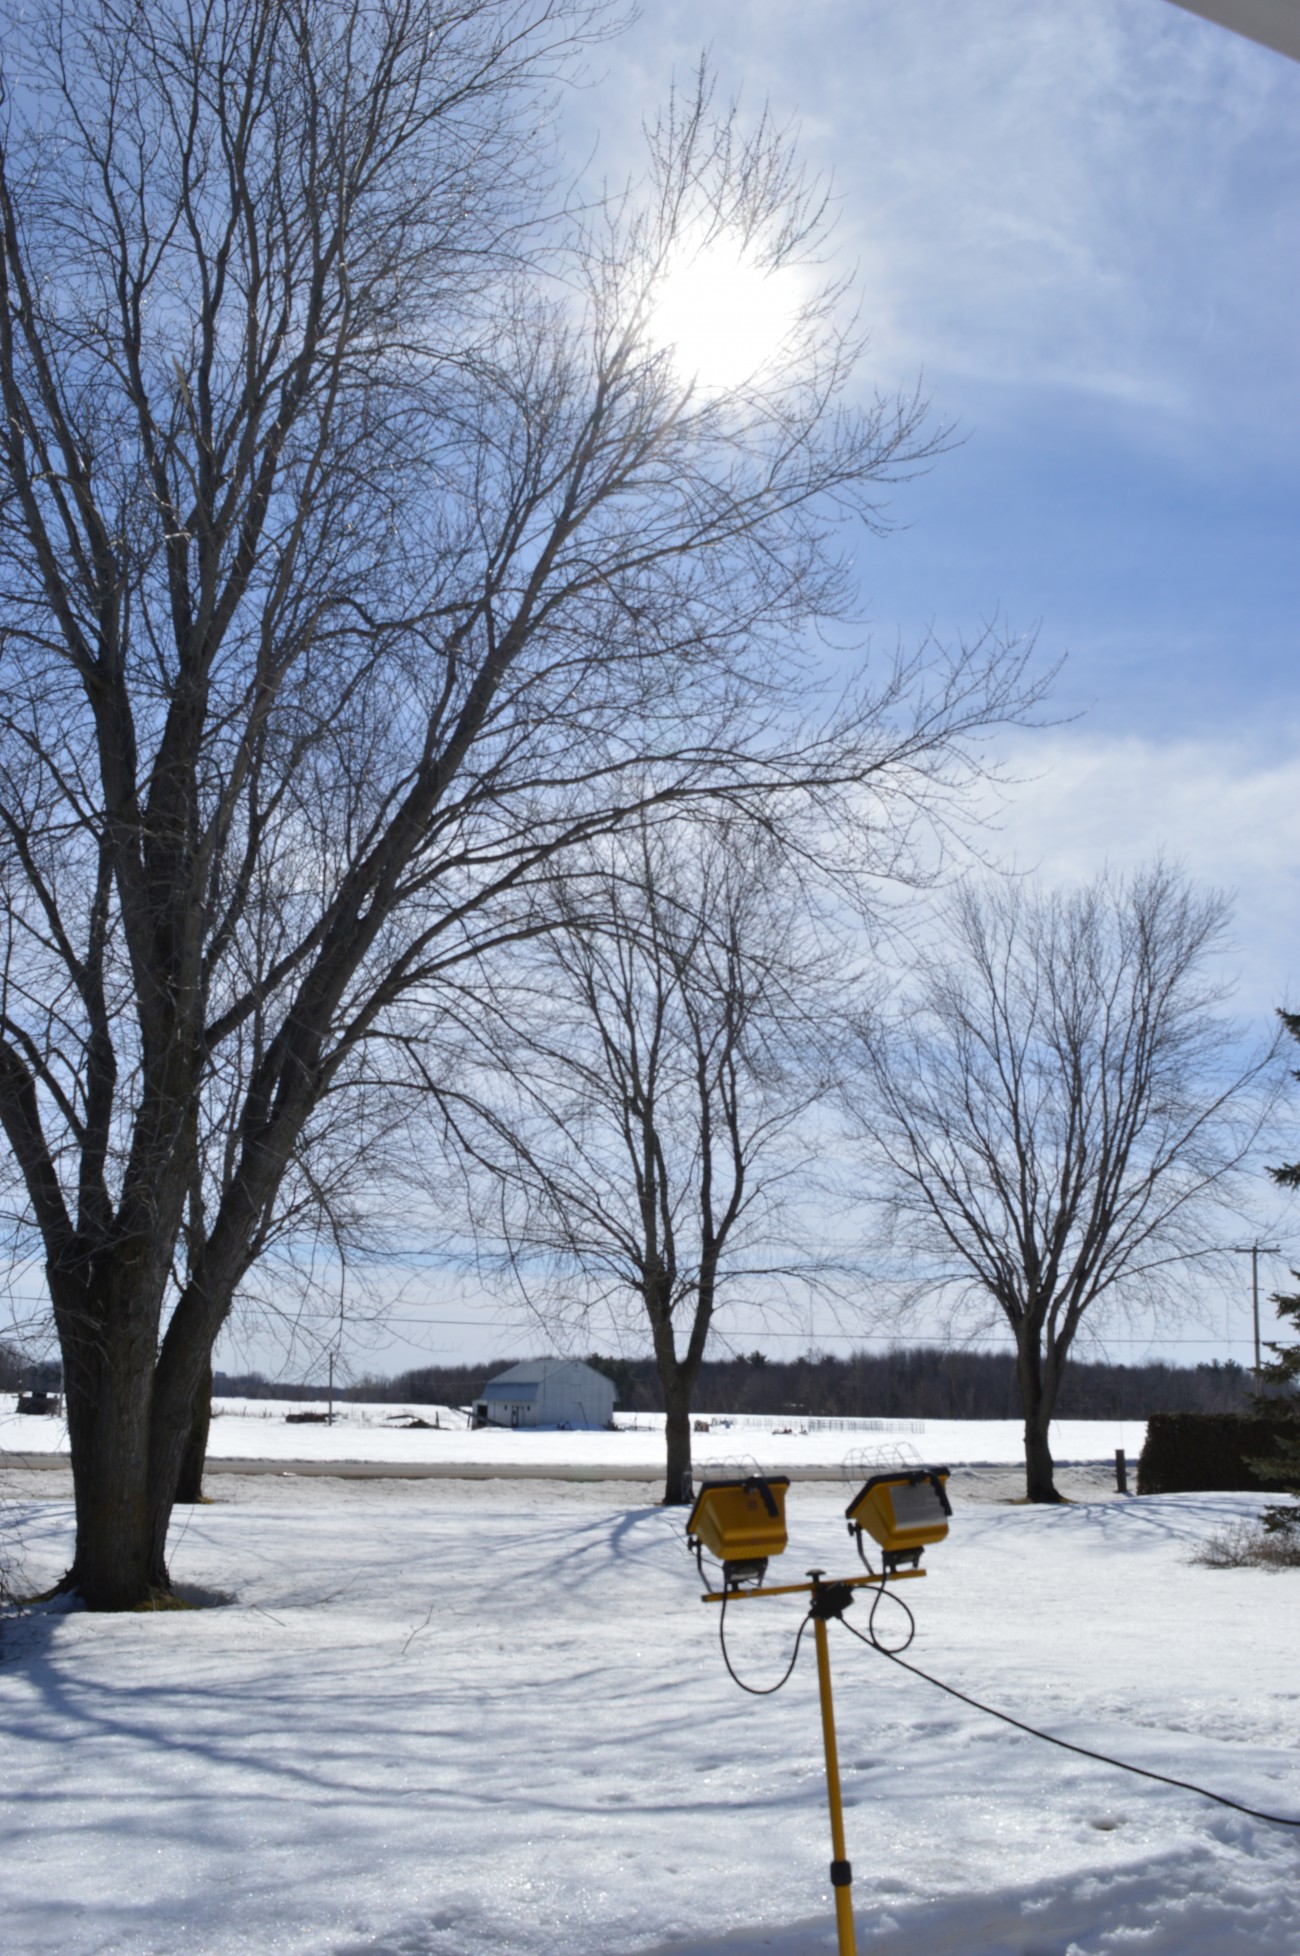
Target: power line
[
  {"x": 485, "y": 1322},
  {"x": 902, "y": 1337}
]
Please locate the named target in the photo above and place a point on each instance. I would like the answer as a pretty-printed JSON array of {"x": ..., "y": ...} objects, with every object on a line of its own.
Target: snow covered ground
[
  {"x": 257, "y": 1429},
  {"x": 453, "y": 1718}
]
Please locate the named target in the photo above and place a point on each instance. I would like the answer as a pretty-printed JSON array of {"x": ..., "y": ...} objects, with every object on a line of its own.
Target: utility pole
[
  {"x": 1254, "y": 1251},
  {"x": 330, "y": 1420}
]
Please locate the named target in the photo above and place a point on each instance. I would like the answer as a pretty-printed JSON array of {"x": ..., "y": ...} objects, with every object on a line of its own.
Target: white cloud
[
  {"x": 1095, "y": 196},
  {"x": 1226, "y": 810}
]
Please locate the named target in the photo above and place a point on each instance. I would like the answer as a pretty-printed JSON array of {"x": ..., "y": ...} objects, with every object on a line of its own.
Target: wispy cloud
[
  {"x": 1096, "y": 197},
  {"x": 1225, "y": 810}
]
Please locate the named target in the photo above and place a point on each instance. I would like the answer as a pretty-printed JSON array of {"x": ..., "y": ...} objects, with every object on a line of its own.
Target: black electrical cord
[
  {"x": 1067, "y": 1745},
  {"x": 890, "y": 1650},
  {"x": 757, "y": 1690}
]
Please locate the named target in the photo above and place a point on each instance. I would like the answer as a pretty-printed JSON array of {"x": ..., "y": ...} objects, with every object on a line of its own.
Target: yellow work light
[
  {"x": 739, "y": 1517},
  {"x": 741, "y": 1522},
  {"x": 903, "y": 1509}
]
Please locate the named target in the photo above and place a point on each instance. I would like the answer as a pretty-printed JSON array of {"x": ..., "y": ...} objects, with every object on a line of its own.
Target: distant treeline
[
  {"x": 20, "y": 1374},
  {"x": 904, "y": 1382}
]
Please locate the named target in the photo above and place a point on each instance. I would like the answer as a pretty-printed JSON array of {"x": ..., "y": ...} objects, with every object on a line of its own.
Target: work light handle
[{"x": 757, "y": 1485}]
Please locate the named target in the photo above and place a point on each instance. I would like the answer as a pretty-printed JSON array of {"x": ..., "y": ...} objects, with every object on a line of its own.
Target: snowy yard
[
  {"x": 257, "y": 1429},
  {"x": 447, "y": 1718}
]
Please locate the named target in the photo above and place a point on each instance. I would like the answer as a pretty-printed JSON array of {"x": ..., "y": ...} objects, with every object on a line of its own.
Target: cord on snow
[{"x": 1067, "y": 1745}]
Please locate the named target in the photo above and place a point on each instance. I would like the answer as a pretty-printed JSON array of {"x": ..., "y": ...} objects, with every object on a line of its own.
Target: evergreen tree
[{"x": 1280, "y": 1398}]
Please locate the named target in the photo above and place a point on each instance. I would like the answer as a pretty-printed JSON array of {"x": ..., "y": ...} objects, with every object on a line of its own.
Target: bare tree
[
  {"x": 361, "y": 554},
  {"x": 651, "y": 1069},
  {"x": 1058, "y": 1115}
]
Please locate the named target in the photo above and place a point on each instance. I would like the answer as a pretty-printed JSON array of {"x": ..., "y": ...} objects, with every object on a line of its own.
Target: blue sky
[{"x": 1079, "y": 222}]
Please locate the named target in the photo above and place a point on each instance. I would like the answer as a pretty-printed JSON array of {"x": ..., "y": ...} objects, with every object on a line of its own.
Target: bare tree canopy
[
  {"x": 362, "y": 552},
  {"x": 1058, "y": 1115},
  {"x": 645, "y": 1073}
]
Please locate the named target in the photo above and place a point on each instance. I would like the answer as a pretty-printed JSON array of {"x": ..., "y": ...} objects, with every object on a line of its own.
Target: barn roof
[{"x": 534, "y": 1371}]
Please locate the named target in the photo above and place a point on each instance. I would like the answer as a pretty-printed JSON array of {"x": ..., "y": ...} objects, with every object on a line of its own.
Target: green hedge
[{"x": 1198, "y": 1453}]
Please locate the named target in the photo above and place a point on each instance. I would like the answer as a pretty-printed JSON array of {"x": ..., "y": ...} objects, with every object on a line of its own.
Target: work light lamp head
[
  {"x": 903, "y": 1510},
  {"x": 741, "y": 1522}
]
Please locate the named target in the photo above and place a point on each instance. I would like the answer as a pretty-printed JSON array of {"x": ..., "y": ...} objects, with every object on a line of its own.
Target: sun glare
[{"x": 723, "y": 318}]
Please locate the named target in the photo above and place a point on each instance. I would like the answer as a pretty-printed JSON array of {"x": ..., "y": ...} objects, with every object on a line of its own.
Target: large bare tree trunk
[
  {"x": 1038, "y": 1402},
  {"x": 189, "y": 1488},
  {"x": 678, "y": 1378},
  {"x": 136, "y": 1416},
  {"x": 1040, "y": 1481},
  {"x": 121, "y": 1524},
  {"x": 678, "y": 1490}
]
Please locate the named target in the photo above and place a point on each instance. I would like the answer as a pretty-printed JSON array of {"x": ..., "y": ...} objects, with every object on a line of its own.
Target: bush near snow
[{"x": 1208, "y": 1453}]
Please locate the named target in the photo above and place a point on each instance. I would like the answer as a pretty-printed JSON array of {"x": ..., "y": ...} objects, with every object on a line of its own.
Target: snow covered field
[
  {"x": 257, "y": 1429},
  {"x": 452, "y": 1718}
]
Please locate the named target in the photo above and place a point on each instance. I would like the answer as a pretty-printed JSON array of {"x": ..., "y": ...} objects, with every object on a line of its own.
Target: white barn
[{"x": 547, "y": 1392}]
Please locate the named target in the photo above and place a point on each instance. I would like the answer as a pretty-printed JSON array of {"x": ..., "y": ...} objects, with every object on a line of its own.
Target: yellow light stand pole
[
  {"x": 841, "y": 1869},
  {"x": 829, "y": 1599}
]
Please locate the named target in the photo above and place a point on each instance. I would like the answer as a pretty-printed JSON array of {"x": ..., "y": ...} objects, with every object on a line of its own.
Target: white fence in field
[
  {"x": 790, "y": 1424},
  {"x": 797, "y": 1423}
]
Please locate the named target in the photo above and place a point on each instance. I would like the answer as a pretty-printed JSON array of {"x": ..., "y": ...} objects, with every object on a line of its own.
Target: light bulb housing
[
  {"x": 904, "y": 1511},
  {"x": 741, "y": 1522}
]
